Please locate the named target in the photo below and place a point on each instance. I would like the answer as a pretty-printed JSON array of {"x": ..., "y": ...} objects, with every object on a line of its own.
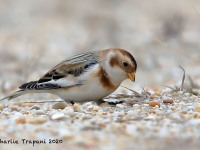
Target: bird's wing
[{"x": 64, "y": 74}]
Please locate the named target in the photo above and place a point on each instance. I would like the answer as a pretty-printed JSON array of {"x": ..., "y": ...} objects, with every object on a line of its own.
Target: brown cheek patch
[
  {"x": 114, "y": 62},
  {"x": 104, "y": 80}
]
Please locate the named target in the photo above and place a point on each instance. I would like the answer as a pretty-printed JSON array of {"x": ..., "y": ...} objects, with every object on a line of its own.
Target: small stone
[
  {"x": 136, "y": 106},
  {"x": 180, "y": 92},
  {"x": 20, "y": 120},
  {"x": 68, "y": 111},
  {"x": 130, "y": 112},
  {"x": 187, "y": 94},
  {"x": 151, "y": 117},
  {"x": 66, "y": 134},
  {"x": 60, "y": 105},
  {"x": 194, "y": 97},
  {"x": 167, "y": 90},
  {"x": 169, "y": 111},
  {"x": 167, "y": 101},
  {"x": 197, "y": 108},
  {"x": 197, "y": 115},
  {"x": 40, "y": 112},
  {"x": 35, "y": 107},
  {"x": 6, "y": 110},
  {"x": 173, "y": 108},
  {"x": 2, "y": 107},
  {"x": 77, "y": 107},
  {"x": 153, "y": 96},
  {"x": 95, "y": 108},
  {"x": 146, "y": 101},
  {"x": 152, "y": 111},
  {"x": 120, "y": 106},
  {"x": 36, "y": 120},
  {"x": 14, "y": 108},
  {"x": 102, "y": 125},
  {"x": 159, "y": 112},
  {"x": 154, "y": 103},
  {"x": 193, "y": 122},
  {"x": 4, "y": 127},
  {"x": 145, "y": 105},
  {"x": 17, "y": 114},
  {"x": 58, "y": 116},
  {"x": 104, "y": 113}
]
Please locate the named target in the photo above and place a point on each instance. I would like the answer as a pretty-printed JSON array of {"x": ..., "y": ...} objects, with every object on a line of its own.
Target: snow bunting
[{"x": 86, "y": 77}]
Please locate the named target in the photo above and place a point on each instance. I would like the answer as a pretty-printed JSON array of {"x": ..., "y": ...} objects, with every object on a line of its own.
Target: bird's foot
[
  {"x": 99, "y": 102},
  {"x": 115, "y": 103}
]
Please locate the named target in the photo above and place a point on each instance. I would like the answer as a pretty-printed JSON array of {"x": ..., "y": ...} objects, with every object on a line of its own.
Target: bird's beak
[{"x": 131, "y": 76}]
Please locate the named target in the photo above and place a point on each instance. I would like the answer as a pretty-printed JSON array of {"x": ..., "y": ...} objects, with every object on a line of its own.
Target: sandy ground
[{"x": 38, "y": 34}]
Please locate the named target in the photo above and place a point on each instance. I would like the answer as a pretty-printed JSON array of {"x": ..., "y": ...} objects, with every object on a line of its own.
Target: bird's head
[{"x": 120, "y": 64}]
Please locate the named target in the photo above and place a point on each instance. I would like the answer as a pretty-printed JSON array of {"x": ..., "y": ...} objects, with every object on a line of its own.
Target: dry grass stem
[{"x": 183, "y": 79}]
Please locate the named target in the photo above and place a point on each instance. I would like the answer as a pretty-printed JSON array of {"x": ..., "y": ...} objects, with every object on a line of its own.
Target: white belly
[{"x": 90, "y": 91}]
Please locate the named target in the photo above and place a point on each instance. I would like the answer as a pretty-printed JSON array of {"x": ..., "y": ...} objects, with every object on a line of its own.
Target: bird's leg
[
  {"x": 72, "y": 102},
  {"x": 100, "y": 101}
]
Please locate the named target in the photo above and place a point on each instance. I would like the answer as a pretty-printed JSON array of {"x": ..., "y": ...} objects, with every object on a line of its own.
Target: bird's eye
[{"x": 125, "y": 64}]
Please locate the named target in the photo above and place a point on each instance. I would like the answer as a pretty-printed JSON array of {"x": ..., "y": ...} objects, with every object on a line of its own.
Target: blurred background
[{"x": 35, "y": 35}]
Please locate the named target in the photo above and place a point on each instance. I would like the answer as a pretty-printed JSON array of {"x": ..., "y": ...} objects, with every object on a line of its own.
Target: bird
[{"x": 89, "y": 76}]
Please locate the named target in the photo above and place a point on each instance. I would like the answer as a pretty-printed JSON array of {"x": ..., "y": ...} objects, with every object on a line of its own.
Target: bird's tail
[{"x": 14, "y": 95}]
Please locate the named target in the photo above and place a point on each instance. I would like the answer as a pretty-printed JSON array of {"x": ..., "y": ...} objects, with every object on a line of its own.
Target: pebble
[
  {"x": 104, "y": 113},
  {"x": 159, "y": 112},
  {"x": 66, "y": 134},
  {"x": 14, "y": 108},
  {"x": 154, "y": 104},
  {"x": 68, "y": 110},
  {"x": 197, "y": 108},
  {"x": 167, "y": 90},
  {"x": 147, "y": 101},
  {"x": 130, "y": 112},
  {"x": 6, "y": 110},
  {"x": 136, "y": 106},
  {"x": 131, "y": 129},
  {"x": 77, "y": 107},
  {"x": 2, "y": 107},
  {"x": 172, "y": 108},
  {"x": 151, "y": 117},
  {"x": 95, "y": 108},
  {"x": 58, "y": 116},
  {"x": 145, "y": 105},
  {"x": 120, "y": 106},
  {"x": 187, "y": 94},
  {"x": 168, "y": 101},
  {"x": 35, "y": 107},
  {"x": 36, "y": 120},
  {"x": 193, "y": 122},
  {"x": 176, "y": 116},
  {"x": 20, "y": 120},
  {"x": 60, "y": 105},
  {"x": 40, "y": 112},
  {"x": 180, "y": 92}
]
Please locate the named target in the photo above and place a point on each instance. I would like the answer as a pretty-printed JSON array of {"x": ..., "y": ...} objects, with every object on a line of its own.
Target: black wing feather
[
  {"x": 74, "y": 66},
  {"x": 33, "y": 85}
]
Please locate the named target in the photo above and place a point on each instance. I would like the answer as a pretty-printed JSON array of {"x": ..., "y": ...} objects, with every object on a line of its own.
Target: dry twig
[
  {"x": 183, "y": 79},
  {"x": 136, "y": 93},
  {"x": 40, "y": 102}
]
